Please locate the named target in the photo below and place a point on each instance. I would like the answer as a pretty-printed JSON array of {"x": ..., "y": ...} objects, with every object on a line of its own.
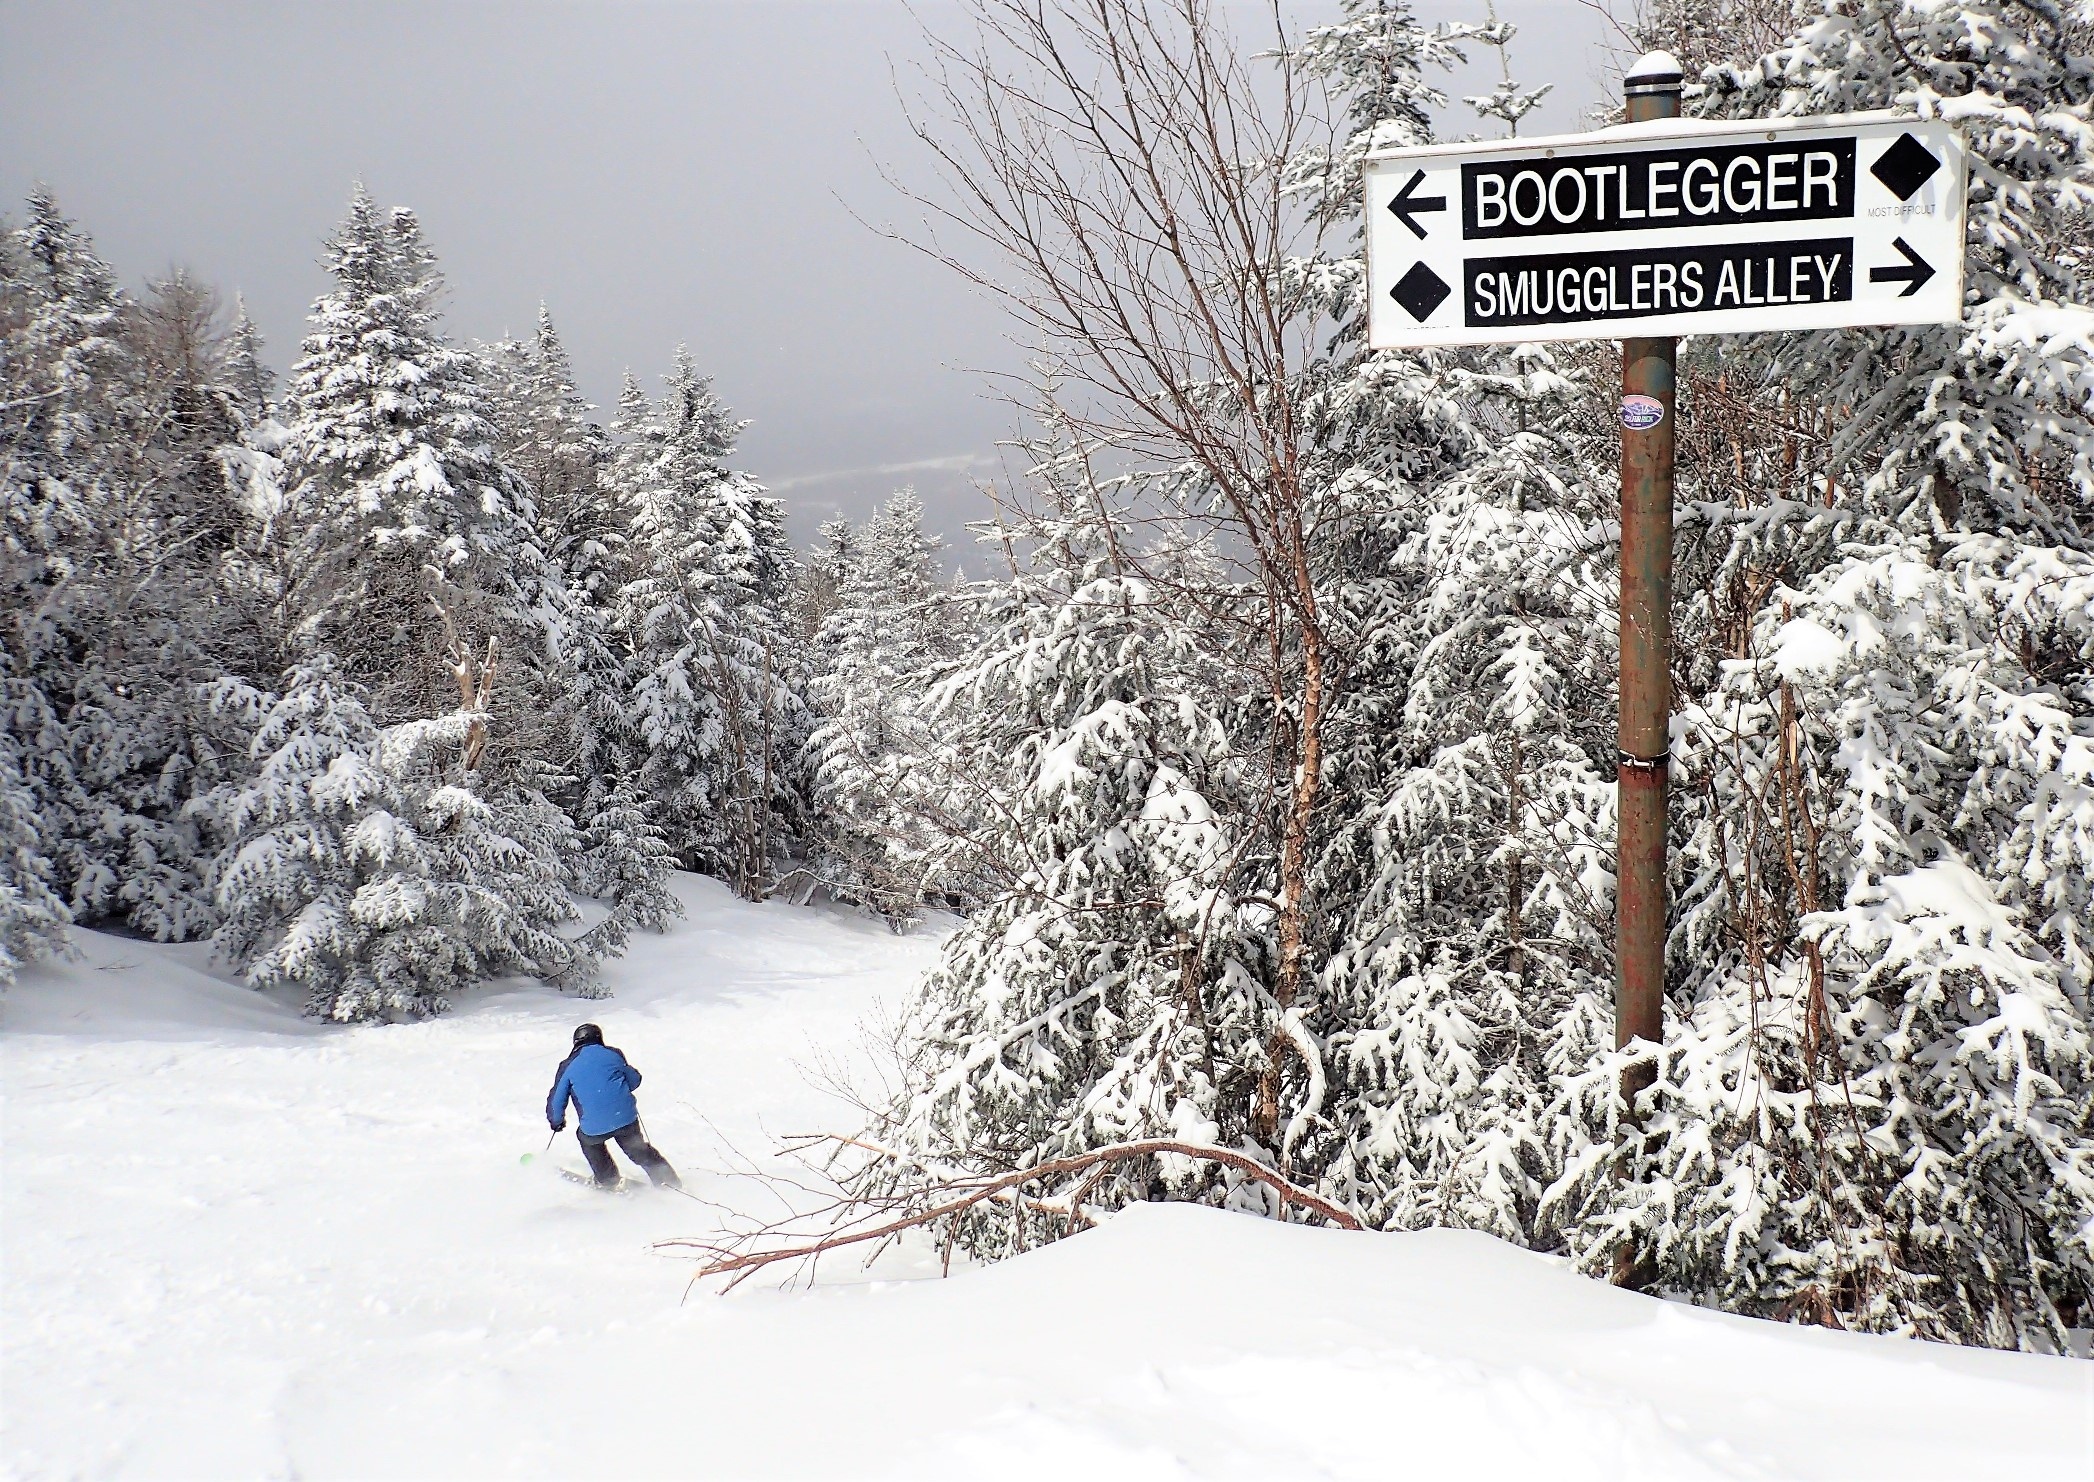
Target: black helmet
[{"x": 587, "y": 1034}]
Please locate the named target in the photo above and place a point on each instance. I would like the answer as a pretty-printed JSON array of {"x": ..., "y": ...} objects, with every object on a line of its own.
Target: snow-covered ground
[{"x": 240, "y": 1245}]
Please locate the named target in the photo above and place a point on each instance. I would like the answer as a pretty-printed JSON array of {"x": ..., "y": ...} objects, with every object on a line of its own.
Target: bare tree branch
[{"x": 742, "y": 1256}]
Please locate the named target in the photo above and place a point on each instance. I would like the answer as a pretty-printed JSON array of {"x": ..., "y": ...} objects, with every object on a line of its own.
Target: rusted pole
[{"x": 1652, "y": 90}]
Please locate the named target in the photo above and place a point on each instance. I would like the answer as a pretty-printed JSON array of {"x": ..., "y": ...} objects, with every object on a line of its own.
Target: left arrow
[
  {"x": 1406, "y": 206},
  {"x": 1913, "y": 275}
]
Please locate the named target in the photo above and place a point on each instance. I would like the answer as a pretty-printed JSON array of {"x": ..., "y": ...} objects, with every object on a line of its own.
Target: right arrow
[{"x": 1913, "y": 275}]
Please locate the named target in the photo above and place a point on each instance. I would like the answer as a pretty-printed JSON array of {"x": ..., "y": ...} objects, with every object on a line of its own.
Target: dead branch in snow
[
  {"x": 475, "y": 685},
  {"x": 950, "y": 1193}
]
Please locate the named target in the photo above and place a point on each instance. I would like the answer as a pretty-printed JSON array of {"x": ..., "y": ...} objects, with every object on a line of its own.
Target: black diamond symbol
[
  {"x": 1905, "y": 167},
  {"x": 1420, "y": 291}
]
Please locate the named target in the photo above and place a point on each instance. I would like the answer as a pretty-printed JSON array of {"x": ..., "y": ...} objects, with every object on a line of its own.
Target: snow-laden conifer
[
  {"x": 253, "y": 462},
  {"x": 824, "y": 568},
  {"x": 33, "y": 919},
  {"x": 626, "y": 863},
  {"x": 1871, "y": 1108},
  {"x": 544, "y": 433},
  {"x": 364, "y": 871},
  {"x": 1444, "y": 483},
  {"x": 1475, "y": 961},
  {"x": 546, "y": 436},
  {"x": 718, "y": 696},
  {"x": 878, "y": 649},
  {"x": 246, "y": 375},
  {"x": 1105, "y": 987},
  {"x": 118, "y": 524},
  {"x": 410, "y": 536}
]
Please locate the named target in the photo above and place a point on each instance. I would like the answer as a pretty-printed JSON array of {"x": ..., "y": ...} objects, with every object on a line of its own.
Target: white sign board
[{"x": 1667, "y": 228}]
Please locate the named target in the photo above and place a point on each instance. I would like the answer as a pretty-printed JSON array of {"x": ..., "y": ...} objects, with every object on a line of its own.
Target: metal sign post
[
  {"x": 1658, "y": 228},
  {"x": 1648, "y": 443}
]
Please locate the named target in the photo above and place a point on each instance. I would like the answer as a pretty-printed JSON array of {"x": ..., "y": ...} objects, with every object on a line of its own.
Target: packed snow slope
[{"x": 241, "y": 1245}]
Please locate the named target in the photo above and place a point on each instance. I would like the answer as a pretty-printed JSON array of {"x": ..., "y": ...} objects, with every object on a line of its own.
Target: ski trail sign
[{"x": 1668, "y": 228}]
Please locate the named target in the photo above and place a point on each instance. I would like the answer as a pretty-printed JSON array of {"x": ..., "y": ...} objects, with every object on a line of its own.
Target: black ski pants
[{"x": 635, "y": 1147}]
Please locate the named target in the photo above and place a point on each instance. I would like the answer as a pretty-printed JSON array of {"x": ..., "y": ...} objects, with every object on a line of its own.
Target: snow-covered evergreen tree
[
  {"x": 33, "y": 919},
  {"x": 411, "y": 537},
  {"x": 253, "y": 462},
  {"x": 546, "y": 435},
  {"x": 1466, "y": 866},
  {"x": 1476, "y": 961},
  {"x": 246, "y": 376},
  {"x": 361, "y": 874},
  {"x": 824, "y": 569},
  {"x": 626, "y": 863},
  {"x": 1872, "y": 1106},
  {"x": 117, "y": 523},
  {"x": 719, "y": 691},
  {"x": 886, "y": 634},
  {"x": 1105, "y": 988}
]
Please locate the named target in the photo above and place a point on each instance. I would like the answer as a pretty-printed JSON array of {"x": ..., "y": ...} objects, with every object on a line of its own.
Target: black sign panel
[
  {"x": 1714, "y": 184},
  {"x": 1570, "y": 287}
]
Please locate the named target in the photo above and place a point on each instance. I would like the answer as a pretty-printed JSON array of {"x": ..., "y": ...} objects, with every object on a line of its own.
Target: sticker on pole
[
  {"x": 1641, "y": 413},
  {"x": 1669, "y": 227}
]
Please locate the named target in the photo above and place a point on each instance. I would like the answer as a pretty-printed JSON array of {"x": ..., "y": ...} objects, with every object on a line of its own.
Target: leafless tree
[
  {"x": 1698, "y": 32},
  {"x": 1113, "y": 173}
]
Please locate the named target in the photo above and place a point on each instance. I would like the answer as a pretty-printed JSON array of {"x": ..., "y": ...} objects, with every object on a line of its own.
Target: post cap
[{"x": 1656, "y": 72}]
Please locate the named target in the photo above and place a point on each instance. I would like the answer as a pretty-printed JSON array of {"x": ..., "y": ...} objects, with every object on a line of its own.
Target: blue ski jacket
[{"x": 601, "y": 1085}]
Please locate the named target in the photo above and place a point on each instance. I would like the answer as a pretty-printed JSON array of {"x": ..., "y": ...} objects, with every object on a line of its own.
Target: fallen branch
[
  {"x": 725, "y": 1260},
  {"x": 950, "y": 1177}
]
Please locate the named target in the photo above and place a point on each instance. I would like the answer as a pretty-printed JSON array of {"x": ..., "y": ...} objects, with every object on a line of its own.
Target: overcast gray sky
[{"x": 676, "y": 171}]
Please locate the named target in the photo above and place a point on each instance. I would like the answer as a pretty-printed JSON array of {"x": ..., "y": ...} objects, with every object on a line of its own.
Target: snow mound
[
  {"x": 118, "y": 987},
  {"x": 238, "y": 1244}
]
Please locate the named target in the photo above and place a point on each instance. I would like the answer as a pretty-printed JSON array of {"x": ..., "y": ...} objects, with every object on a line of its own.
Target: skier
[{"x": 598, "y": 1080}]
